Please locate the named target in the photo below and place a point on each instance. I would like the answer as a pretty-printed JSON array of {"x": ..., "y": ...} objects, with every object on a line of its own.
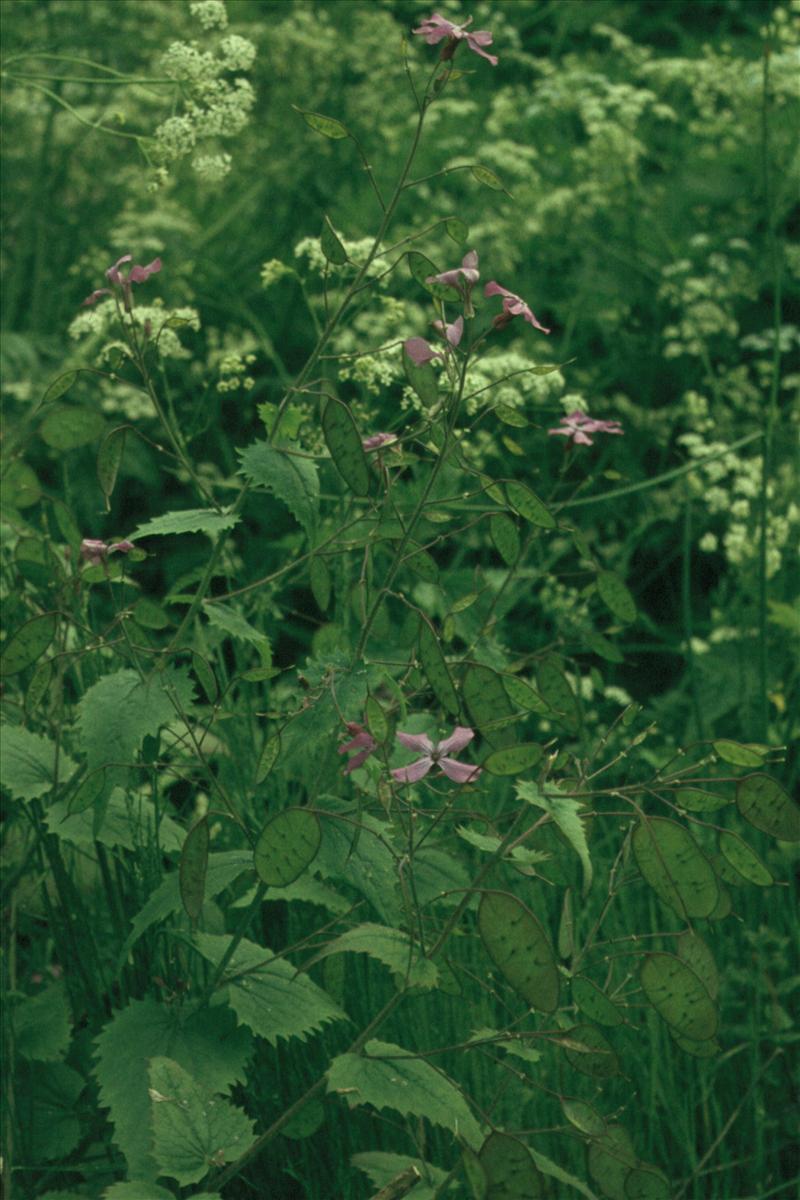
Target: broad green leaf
[
  {"x": 329, "y": 127},
  {"x": 19, "y": 487},
  {"x": 28, "y": 643},
  {"x": 120, "y": 710},
  {"x": 611, "y": 1158},
  {"x": 205, "y": 1041},
  {"x": 388, "y": 1076},
  {"x": 528, "y": 505},
  {"x": 487, "y": 703},
  {"x": 517, "y": 944},
  {"x": 194, "y": 1130},
  {"x": 594, "y": 1003},
  {"x": 679, "y": 996},
  {"x": 435, "y": 667},
  {"x": 66, "y": 427},
  {"x": 193, "y": 868},
  {"x": 765, "y": 804},
  {"x": 590, "y": 1052},
  {"x": 231, "y": 621},
  {"x": 286, "y": 846},
  {"x": 269, "y": 756},
  {"x": 486, "y": 177},
  {"x": 505, "y": 536},
  {"x": 694, "y": 951},
  {"x": 644, "y": 1182},
  {"x": 46, "y": 1102},
  {"x": 28, "y": 763},
  {"x": 189, "y": 520},
  {"x": 390, "y": 946},
  {"x": 740, "y": 755},
  {"x": 744, "y": 859},
  {"x": 673, "y": 864},
  {"x": 511, "y": 1173},
  {"x": 566, "y": 812},
  {"x": 365, "y": 862},
  {"x": 456, "y": 229},
  {"x": 514, "y": 759},
  {"x": 109, "y": 458},
  {"x": 616, "y": 596},
  {"x": 42, "y": 1025},
  {"x": 89, "y": 790},
  {"x": 269, "y": 994},
  {"x": 523, "y": 695},
  {"x": 474, "y": 1173},
  {"x": 556, "y": 690},
  {"x": 291, "y": 479},
  {"x": 320, "y": 578},
  {"x": 331, "y": 246},
  {"x": 149, "y": 614},
  {"x": 304, "y": 1123},
  {"x": 699, "y": 800},
  {"x": 422, "y": 379},
  {"x": 344, "y": 444},
  {"x": 59, "y": 386},
  {"x": 128, "y": 823},
  {"x": 583, "y": 1116}
]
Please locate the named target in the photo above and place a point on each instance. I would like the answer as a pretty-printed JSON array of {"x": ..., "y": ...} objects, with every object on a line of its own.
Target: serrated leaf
[
  {"x": 189, "y": 520},
  {"x": 474, "y": 1173},
  {"x": 616, "y": 596},
  {"x": 765, "y": 804},
  {"x": 320, "y": 578},
  {"x": 59, "y": 386},
  {"x": 694, "y": 951},
  {"x": 344, "y": 444},
  {"x": 556, "y": 690},
  {"x": 487, "y": 703},
  {"x": 90, "y": 789},
  {"x": 331, "y": 245},
  {"x": 699, "y": 800},
  {"x": 231, "y": 621},
  {"x": 510, "y": 1171},
  {"x": 405, "y": 1084},
  {"x": 583, "y": 1116},
  {"x": 205, "y": 1041},
  {"x": 435, "y": 667},
  {"x": 744, "y": 860},
  {"x": 292, "y": 480},
  {"x": 590, "y": 1052},
  {"x": 528, "y": 505},
  {"x": 193, "y": 868},
  {"x": 42, "y": 1025},
  {"x": 194, "y": 1130},
  {"x": 395, "y": 1174},
  {"x": 505, "y": 536},
  {"x": 286, "y": 846},
  {"x": 46, "y": 1100},
  {"x": 269, "y": 756},
  {"x": 28, "y": 763},
  {"x": 610, "y": 1159},
  {"x": 517, "y": 944},
  {"x": 109, "y": 458},
  {"x": 66, "y": 427},
  {"x": 28, "y": 643},
  {"x": 675, "y": 867},
  {"x": 329, "y": 127},
  {"x": 486, "y": 177},
  {"x": 679, "y": 996},
  {"x": 456, "y": 229},
  {"x": 594, "y": 1003},
  {"x": 390, "y": 946},
  {"x": 514, "y": 759},
  {"x": 740, "y": 755},
  {"x": 121, "y": 709},
  {"x": 365, "y": 862},
  {"x": 566, "y": 812}
]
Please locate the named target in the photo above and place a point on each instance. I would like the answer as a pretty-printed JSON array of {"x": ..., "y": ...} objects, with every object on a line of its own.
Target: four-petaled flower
[
  {"x": 436, "y": 754},
  {"x": 434, "y": 28},
  {"x": 376, "y": 440},
  {"x": 93, "y": 551},
  {"x": 462, "y": 279},
  {"x": 513, "y": 306},
  {"x": 421, "y": 352},
  {"x": 363, "y": 742},
  {"x": 577, "y": 426},
  {"x": 114, "y": 276}
]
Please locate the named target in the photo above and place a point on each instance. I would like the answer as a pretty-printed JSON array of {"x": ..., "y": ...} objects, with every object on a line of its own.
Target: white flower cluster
[
  {"x": 233, "y": 372},
  {"x": 99, "y": 323},
  {"x": 372, "y": 371},
  {"x": 273, "y": 271},
  {"x": 210, "y": 13},
  {"x": 211, "y": 167},
  {"x": 521, "y": 390}
]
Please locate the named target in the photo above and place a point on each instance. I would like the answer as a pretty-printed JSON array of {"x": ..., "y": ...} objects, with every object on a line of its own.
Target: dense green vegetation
[{"x": 400, "y": 723}]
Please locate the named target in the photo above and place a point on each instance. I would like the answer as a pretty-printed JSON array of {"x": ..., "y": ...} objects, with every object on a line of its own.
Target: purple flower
[
  {"x": 513, "y": 306},
  {"x": 115, "y": 277},
  {"x": 363, "y": 742},
  {"x": 434, "y": 29},
  {"x": 93, "y": 551},
  {"x": 421, "y": 352},
  {"x": 435, "y": 754},
  {"x": 376, "y": 440},
  {"x": 462, "y": 279},
  {"x": 451, "y": 333},
  {"x": 577, "y": 426}
]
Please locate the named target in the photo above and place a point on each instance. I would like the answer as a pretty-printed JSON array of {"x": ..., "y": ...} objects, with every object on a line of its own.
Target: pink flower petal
[
  {"x": 140, "y": 274},
  {"x": 459, "y": 738},
  {"x": 459, "y": 772},
  {"x": 413, "y": 773},
  {"x": 420, "y": 352},
  {"x": 416, "y": 741}
]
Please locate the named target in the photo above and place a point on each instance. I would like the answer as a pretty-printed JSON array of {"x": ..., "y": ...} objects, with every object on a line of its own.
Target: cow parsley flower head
[
  {"x": 437, "y": 754},
  {"x": 434, "y": 29}
]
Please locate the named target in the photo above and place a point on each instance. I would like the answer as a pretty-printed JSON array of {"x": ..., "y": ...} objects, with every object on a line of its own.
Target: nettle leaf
[
  {"x": 765, "y": 804},
  {"x": 65, "y": 427},
  {"x": 594, "y": 1003},
  {"x": 528, "y": 505},
  {"x": 268, "y": 994},
  {"x": 679, "y": 996},
  {"x": 331, "y": 245},
  {"x": 744, "y": 860},
  {"x": 118, "y": 712},
  {"x": 505, "y": 536},
  {"x": 28, "y": 643},
  {"x": 231, "y": 621},
  {"x": 387, "y": 1076},
  {"x": 675, "y": 867},
  {"x": 566, "y": 813},
  {"x": 344, "y": 444},
  {"x": 611, "y": 1158},
  {"x": 556, "y": 691},
  {"x": 488, "y": 704},
  {"x": 329, "y": 127},
  {"x": 287, "y": 845},
  {"x": 590, "y": 1052},
  {"x": 510, "y": 1171},
  {"x": 694, "y": 951},
  {"x": 390, "y": 946},
  {"x": 616, "y": 596},
  {"x": 292, "y": 480},
  {"x": 129, "y": 822},
  {"x": 42, "y": 1025},
  {"x": 189, "y": 520},
  {"x": 28, "y": 763},
  {"x": 193, "y": 868},
  {"x": 518, "y": 945},
  {"x": 514, "y": 759},
  {"x": 205, "y": 1041},
  {"x": 365, "y": 862},
  {"x": 46, "y": 1098},
  {"x": 435, "y": 667},
  {"x": 194, "y": 1130},
  {"x": 385, "y": 1169}
]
